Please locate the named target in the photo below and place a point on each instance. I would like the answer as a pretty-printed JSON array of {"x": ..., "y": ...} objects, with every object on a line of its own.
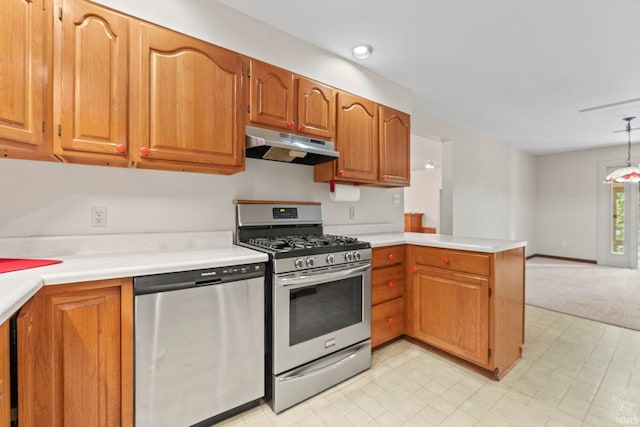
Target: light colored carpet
[{"x": 606, "y": 294}]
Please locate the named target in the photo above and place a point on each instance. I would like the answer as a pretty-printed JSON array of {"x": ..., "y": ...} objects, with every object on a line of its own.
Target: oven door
[{"x": 318, "y": 312}]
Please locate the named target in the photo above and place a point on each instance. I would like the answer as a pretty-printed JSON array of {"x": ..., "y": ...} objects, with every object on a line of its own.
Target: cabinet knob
[
  {"x": 445, "y": 260},
  {"x": 144, "y": 151},
  {"x": 389, "y": 320},
  {"x": 391, "y": 256},
  {"x": 414, "y": 270},
  {"x": 340, "y": 172},
  {"x": 390, "y": 284},
  {"x": 384, "y": 177},
  {"x": 121, "y": 148},
  {"x": 303, "y": 126},
  {"x": 291, "y": 124}
]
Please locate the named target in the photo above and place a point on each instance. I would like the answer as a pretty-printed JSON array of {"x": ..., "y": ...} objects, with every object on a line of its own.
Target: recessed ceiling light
[{"x": 362, "y": 51}]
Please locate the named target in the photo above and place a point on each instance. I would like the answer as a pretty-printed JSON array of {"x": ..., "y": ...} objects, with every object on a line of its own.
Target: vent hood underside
[{"x": 283, "y": 147}]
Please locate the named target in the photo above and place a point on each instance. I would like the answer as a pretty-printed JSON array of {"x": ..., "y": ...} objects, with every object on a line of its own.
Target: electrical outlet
[
  {"x": 396, "y": 199},
  {"x": 352, "y": 213},
  {"x": 98, "y": 216}
]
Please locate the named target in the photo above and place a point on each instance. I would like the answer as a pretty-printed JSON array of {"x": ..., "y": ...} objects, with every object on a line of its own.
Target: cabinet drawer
[
  {"x": 468, "y": 262},
  {"x": 387, "y": 321},
  {"x": 387, "y": 283},
  {"x": 388, "y": 255}
]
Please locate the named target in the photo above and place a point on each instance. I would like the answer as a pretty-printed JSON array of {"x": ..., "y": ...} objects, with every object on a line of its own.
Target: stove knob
[
  {"x": 357, "y": 255},
  {"x": 299, "y": 263},
  {"x": 311, "y": 262},
  {"x": 348, "y": 256},
  {"x": 331, "y": 259}
]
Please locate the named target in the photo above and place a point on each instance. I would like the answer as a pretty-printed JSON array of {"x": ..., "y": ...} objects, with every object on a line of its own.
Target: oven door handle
[
  {"x": 321, "y": 277},
  {"x": 302, "y": 372}
]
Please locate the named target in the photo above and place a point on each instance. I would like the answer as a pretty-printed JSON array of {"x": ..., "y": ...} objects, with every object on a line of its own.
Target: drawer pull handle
[
  {"x": 391, "y": 257},
  {"x": 445, "y": 260},
  {"x": 390, "y": 284},
  {"x": 389, "y": 320},
  {"x": 414, "y": 270}
]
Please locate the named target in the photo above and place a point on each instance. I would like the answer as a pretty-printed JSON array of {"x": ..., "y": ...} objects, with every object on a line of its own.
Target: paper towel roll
[{"x": 345, "y": 193}]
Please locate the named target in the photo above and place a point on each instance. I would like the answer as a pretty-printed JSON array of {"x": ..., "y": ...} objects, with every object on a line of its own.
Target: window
[{"x": 617, "y": 235}]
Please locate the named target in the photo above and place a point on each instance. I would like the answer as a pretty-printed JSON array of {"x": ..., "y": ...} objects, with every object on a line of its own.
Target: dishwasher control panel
[{"x": 189, "y": 279}]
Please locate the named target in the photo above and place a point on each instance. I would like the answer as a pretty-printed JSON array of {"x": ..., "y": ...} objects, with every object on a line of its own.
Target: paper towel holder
[{"x": 332, "y": 185}]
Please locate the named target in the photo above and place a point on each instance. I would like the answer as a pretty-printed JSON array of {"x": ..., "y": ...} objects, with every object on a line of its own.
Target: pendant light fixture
[{"x": 628, "y": 173}]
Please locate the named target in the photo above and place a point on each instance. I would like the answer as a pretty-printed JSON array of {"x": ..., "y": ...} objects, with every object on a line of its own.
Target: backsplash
[{"x": 55, "y": 199}]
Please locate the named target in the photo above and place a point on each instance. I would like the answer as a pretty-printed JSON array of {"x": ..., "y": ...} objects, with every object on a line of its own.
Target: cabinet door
[
  {"x": 22, "y": 77},
  {"x": 93, "y": 83},
  {"x": 271, "y": 96},
  {"x": 316, "y": 108},
  {"x": 357, "y": 139},
  {"x": 394, "y": 145},
  {"x": 5, "y": 395},
  {"x": 75, "y": 366},
  {"x": 187, "y": 101},
  {"x": 451, "y": 311}
]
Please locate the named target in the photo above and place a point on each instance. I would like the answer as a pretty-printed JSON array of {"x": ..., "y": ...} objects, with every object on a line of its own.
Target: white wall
[
  {"x": 567, "y": 200},
  {"x": 423, "y": 196},
  {"x": 492, "y": 184},
  {"x": 42, "y": 198}
]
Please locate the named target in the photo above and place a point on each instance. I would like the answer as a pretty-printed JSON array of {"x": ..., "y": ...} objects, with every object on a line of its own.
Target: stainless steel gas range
[{"x": 318, "y": 299}]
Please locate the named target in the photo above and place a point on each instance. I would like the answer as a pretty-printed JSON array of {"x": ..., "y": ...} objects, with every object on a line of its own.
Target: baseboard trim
[{"x": 562, "y": 258}]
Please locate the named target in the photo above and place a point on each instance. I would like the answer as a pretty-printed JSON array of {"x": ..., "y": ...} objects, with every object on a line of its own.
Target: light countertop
[
  {"x": 442, "y": 241},
  {"x": 17, "y": 287}
]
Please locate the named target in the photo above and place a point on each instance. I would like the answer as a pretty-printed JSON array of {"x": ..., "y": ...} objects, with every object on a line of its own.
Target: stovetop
[{"x": 301, "y": 245}]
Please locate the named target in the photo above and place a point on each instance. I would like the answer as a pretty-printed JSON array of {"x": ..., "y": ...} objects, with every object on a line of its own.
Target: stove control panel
[{"x": 283, "y": 265}]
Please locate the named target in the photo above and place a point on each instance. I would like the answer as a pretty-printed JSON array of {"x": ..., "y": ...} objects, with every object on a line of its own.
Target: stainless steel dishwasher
[{"x": 199, "y": 345}]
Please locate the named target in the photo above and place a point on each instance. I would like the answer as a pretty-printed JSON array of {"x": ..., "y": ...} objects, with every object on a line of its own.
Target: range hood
[{"x": 285, "y": 147}]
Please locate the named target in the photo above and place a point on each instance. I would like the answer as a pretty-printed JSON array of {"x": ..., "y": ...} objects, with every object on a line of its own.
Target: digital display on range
[{"x": 285, "y": 213}]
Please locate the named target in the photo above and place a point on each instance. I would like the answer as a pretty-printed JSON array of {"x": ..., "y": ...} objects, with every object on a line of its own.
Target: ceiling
[{"x": 520, "y": 72}]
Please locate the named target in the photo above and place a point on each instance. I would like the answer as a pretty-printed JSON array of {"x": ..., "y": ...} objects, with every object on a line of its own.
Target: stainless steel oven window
[{"x": 317, "y": 310}]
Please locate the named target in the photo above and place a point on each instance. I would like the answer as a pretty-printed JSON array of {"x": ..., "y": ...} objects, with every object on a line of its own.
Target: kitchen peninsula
[{"x": 464, "y": 296}]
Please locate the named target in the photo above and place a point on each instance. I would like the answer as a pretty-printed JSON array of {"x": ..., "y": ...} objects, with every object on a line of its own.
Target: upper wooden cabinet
[
  {"x": 316, "y": 108},
  {"x": 374, "y": 145},
  {"x": 91, "y": 84},
  {"x": 280, "y": 99},
  {"x": 187, "y": 103},
  {"x": 24, "y": 67},
  {"x": 271, "y": 96},
  {"x": 356, "y": 140},
  {"x": 394, "y": 143},
  {"x": 75, "y": 347}
]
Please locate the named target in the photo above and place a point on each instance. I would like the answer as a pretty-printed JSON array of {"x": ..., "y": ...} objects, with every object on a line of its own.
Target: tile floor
[{"x": 574, "y": 372}]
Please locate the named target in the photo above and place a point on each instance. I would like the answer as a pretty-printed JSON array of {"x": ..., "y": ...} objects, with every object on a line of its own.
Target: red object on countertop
[{"x": 14, "y": 264}]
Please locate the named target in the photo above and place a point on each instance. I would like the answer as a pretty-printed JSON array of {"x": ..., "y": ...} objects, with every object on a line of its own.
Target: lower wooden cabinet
[
  {"x": 387, "y": 294},
  {"x": 387, "y": 321},
  {"x": 75, "y": 346},
  {"x": 468, "y": 304},
  {"x": 452, "y": 312},
  {"x": 5, "y": 395}
]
